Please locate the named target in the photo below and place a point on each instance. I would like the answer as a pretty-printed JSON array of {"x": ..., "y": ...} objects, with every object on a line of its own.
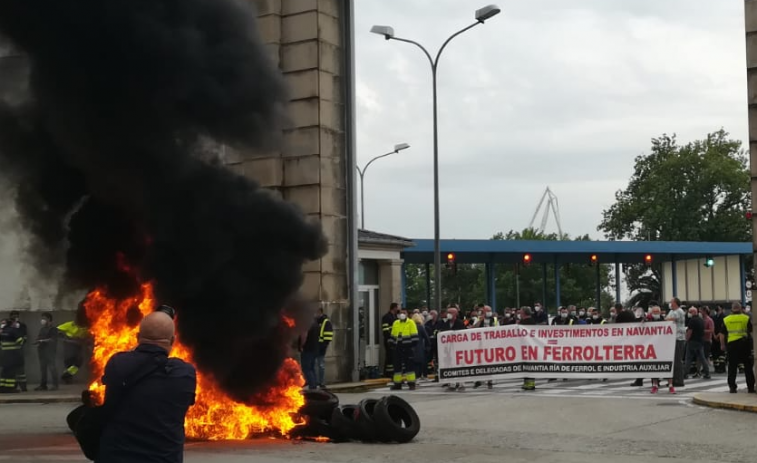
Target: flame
[
  {"x": 288, "y": 321},
  {"x": 114, "y": 326}
]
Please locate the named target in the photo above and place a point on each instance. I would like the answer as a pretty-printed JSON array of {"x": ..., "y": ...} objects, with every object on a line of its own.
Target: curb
[
  {"x": 725, "y": 405},
  {"x": 357, "y": 389},
  {"x": 15, "y": 399}
]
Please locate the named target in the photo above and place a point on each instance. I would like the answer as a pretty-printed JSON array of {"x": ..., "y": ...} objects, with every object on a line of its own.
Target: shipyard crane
[{"x": 551, "y": 204}]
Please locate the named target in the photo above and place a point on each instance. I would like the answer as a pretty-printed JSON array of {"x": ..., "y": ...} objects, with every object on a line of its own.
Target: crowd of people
[{"x": 706, "y": 339}]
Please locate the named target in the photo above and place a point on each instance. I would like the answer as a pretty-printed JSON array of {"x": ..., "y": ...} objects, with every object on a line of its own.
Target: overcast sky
[{"x": 559, "y": 93}]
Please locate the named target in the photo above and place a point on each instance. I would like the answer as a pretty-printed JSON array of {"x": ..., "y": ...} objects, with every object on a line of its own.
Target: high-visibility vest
[
  {"x": 72, "y": 331},
  {"x": 736, "y": 325},
  {"x": 325, "y": 335},
  {"x": 404, "y": 332}
]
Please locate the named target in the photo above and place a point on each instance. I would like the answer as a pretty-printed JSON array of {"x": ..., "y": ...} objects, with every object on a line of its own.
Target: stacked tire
[{"x": 389, "y": 419}]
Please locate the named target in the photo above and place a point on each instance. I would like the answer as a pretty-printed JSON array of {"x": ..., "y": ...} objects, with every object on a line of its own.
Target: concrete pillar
[
  {"x": 305, "y": 40},
  {"x": 390, "y": 283},
  {"x": 750, "y": 23}
]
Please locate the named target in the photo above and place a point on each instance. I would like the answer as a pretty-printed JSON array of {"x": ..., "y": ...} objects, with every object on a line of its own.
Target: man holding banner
[{"x": 531, "y": 351}]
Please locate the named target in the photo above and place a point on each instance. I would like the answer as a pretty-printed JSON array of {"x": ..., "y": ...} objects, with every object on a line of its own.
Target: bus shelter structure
[{"x": 559, "y": 253}]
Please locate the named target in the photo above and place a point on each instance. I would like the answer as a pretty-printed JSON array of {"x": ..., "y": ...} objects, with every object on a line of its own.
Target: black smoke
[{"x": 107, "y": 148}]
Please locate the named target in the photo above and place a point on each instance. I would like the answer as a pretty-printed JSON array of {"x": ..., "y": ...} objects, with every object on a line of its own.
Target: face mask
[
  {"x": 425, "y": 314},
  {"x": 489, "y": 315},
  {"x": 639, "y": 314},
  {"x": 582, "y": 313},
  {"x": 43, "y": 321},
  {"x": 2, "y": 325},
  {"x": 612, "y": 314},
  {"x": 538, "y": 308},
  {"x": 507, "y": 315},
  {"x": 563, "y": 315},
  {"x": 403, "y": 316},
  {"x": 573, "y": 312},
  {"x": 656, "y": 316},
  {"x": 595, "y": 317},
  {"x": 519, "y": 317},
  {"x": 449, "y": 316}
]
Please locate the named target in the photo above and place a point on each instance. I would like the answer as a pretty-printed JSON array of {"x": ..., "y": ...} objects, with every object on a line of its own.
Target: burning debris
[{"x": 105, "y": 144}]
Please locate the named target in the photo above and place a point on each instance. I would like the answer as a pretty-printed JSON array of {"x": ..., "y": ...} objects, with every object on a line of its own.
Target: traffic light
[
  {"x": 709, "y": 261},
  {"x": 451, "y": 263},
  {"x": 593, "y": 260},
  {"x": 526, "y": 260},
  {"x": 648, "y": 260}
]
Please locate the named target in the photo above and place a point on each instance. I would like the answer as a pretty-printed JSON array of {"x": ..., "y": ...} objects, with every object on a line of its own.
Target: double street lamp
[
  {"x": 397, "y": 149},
  {"x": 481, "y": 16}
]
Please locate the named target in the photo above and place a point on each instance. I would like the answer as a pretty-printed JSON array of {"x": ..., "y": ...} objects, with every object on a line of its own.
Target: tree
[{"x": 695, "y": 192}]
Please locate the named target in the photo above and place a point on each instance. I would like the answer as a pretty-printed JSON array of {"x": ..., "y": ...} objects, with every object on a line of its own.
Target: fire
[{"x": 114, "y": 326}]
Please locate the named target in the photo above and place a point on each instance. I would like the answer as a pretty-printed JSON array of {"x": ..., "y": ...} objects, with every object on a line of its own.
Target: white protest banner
[{"x": 632, "y": 350}]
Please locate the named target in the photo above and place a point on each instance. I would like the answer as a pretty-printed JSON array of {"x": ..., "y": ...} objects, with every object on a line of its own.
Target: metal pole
[
  {"x": 557, "y": 283},
  {"x": 517, "y": 286},
  {"x": 544, "y": 286},
  {"x": 428, "y": 287},
  {"x": 750, "y": 13},
  {"x": 674, "y": 277},
  {"x": 617, "y": 281},
  {"x": 437, "y": 244},
  {"x": 362, "y": 199},
  {"x": 348, "y": 34},
  {"x": 599, "y": 290}
]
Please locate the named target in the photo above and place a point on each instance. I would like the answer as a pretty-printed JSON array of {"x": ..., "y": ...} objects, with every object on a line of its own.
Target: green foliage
[
  {"x": 695, "y": 192},
  {"x": 468, "y": 286}
]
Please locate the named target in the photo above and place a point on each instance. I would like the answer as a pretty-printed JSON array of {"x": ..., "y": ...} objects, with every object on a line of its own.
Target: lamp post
[
  {"x": 397, "y": 149},
  {"x": 481, "y": 16}
]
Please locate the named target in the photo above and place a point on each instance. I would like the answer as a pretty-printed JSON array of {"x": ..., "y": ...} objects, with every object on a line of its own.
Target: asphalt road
[{"x": 459, "y": 427}]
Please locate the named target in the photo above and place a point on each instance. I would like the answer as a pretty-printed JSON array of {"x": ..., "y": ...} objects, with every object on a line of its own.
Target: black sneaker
[
  {"x": 637, "y": 383},
  {"x": 40, "y": 388},
  {"x": 477, "y": 385},
  {"x": 707, "y": 377},
  {"x": 396, "y": 387},
  {"x": 734, "y": 391}
]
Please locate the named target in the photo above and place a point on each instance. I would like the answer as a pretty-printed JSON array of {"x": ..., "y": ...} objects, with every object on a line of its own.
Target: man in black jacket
[
  {"x": 452, "y": 323},
  {"x": 386, "y": 330},
  {"x": 529, "y": 384},
  {"x": 147, "y": 421}
]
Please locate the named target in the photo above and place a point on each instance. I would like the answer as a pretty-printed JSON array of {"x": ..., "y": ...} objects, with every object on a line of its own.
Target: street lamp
[
  {"x": 397, "y": 149},
  {"x": 481, "y": 15}
]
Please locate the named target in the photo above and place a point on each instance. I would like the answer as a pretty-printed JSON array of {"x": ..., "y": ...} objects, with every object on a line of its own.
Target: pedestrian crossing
[{"x": 618, "y": 388}]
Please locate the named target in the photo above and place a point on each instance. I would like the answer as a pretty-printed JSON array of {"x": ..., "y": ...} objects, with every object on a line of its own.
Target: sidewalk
[
  {"x": 72, "y": 393},
  {"x": 741, "y": 401},
  {"x": 66, "y": 394}
]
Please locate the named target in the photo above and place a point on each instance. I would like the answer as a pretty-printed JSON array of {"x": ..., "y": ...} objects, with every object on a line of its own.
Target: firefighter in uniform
[
  {"x": 74, "y": 334},
  {"x": 387, "y": 321},
  {"x": 735, "y": 339},
  {"x": 404, "y": 338},
  {"x": 12, "y": 339}
]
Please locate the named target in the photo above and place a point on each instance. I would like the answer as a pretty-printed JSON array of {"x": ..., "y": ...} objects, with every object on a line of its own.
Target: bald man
[{"x": 147, "y": 396}]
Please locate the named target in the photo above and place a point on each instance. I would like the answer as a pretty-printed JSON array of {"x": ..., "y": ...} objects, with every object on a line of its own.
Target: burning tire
[
  {"x": 343, "y": 422},
  {"x": 368, "y": 429},
  {"x": 317, "y": 428},
  {"x": 319, "y": 404},
  {"x": 396, "y": 419}
]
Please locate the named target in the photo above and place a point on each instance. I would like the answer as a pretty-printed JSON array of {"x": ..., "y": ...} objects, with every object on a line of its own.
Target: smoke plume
[{"x": 105, "y": 142}]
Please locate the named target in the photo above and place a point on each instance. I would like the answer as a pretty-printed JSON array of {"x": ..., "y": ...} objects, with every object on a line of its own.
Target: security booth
[{"x": 380, "y": 284}]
